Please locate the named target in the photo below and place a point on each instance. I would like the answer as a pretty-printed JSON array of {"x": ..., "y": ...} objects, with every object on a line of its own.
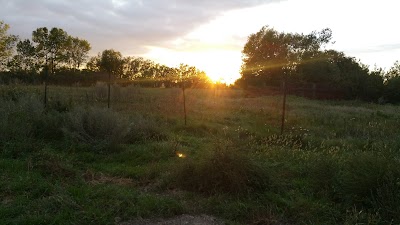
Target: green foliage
[
  {"x": 394, "y": 71},
  {"x": 25, "y": 59},
  {"x": 7, "y": 43},
  {"x": 111, "y": 62},
  {"x": 77, "y": 53},
  {"x": 53, "y": 49},
  {"x": 98, "y": 129},
  {"x": 269, "y": 54}
]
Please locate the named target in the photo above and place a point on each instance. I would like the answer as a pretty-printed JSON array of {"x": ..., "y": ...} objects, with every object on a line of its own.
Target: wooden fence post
[
  {"x": 283, "y": 107},
  {"x": 314, "y": 88},
  {"x": 46, "y": 74},
  {"x": 109, "y": 90},
  {"x": 184, "y": 100}
]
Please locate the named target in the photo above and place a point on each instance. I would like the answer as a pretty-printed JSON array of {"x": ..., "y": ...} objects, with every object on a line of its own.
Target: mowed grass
[{"x": 76, "y": 162}]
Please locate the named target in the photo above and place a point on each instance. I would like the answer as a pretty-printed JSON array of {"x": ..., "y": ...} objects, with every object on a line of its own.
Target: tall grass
[
  {"x": 97, "y": 128},
  {"x": 222, "y": 169},
  {"x": 337, "y": 162}
]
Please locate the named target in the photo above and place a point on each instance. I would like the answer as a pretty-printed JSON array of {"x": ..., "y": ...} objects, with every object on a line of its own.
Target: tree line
[
  {"x": 57, "y": 57},
  {"x": 271, "y": 57}
]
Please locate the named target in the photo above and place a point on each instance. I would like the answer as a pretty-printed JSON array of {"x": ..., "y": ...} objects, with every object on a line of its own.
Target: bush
[
  {"x": 221, "y": 170},
  {"x": 98, "y": 128}
]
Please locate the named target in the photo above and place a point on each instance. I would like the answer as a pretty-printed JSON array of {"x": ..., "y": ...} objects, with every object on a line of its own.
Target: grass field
[{"x": 77, "y": 162}]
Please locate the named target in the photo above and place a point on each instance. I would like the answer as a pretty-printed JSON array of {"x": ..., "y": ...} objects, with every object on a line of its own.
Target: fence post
[
  {"x": 283, "y": 107},
  {"x": 46, "y": 74},
  {"x": 109, "y": 90},
  {"x": 184, "y": 100},
  {"x": 314, "y": 87}
]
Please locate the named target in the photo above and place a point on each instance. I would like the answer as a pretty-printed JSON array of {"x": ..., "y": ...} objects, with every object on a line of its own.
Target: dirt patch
[{"x": 180, "y": 220}]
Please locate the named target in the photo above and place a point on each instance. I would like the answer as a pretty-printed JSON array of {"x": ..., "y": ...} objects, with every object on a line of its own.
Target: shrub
[
  {"x": 98, "y": 128},
  {"x": 223, "y": 169}
]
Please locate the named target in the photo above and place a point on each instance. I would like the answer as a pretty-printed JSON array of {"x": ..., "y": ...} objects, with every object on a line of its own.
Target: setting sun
[{"x": 219, "y": 65}]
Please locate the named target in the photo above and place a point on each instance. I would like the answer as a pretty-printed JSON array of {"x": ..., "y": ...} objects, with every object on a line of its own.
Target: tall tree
[
  {"x": 111, "y": 62},
  {"x": 25, "y": 59},
  {"x": 269, "y": 54},
  {"x": 394, "y": 71},
  {"x": 50, "y": 46},
  {"x": 41, "y": 38},
  {"x": 392, "y": 84},
  {"x": 77, "y": 51},
  {"x": 7, "y": 43},
  {"x": 93, "y": 63}
]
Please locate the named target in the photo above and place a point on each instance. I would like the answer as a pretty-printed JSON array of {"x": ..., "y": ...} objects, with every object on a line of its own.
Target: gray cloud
[
  {"x": 377, "y": 48},
  {"x": 126, "y": 25}
]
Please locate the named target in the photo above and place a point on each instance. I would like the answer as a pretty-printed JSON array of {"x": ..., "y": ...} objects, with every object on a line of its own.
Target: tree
[
  {"x": 111, "y": 62},
  {"x": 392, "y": 84},
  {"x": 93, "y": 63},
  {"x": 269, "y": 54},
  {"x": 394, "y": 71},
  {"x": 7, "y": 43},
  {"x": 25, "y": 60},
  {"x": 77, "y": 51},
  {"x": 51, "y": 47}
]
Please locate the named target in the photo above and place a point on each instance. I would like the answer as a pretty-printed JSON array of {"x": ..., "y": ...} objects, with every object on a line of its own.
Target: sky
[{"x": 210, "y": 34}]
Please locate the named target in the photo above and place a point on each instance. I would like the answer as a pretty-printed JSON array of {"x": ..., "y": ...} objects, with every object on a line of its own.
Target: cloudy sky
[{"x": 210, "y": 34}]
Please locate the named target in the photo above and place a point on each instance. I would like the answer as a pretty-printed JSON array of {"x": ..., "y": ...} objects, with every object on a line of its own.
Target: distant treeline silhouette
[{"x": 269, "y": 59}]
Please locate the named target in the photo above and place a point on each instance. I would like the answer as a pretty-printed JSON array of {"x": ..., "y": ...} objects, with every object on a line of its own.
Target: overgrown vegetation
[{"x": 75, "y": 161}]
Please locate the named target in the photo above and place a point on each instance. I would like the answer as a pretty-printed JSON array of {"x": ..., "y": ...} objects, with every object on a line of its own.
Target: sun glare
[
  {"x": 219, "y": 65},
  {"x": 181, "y": 155}
]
